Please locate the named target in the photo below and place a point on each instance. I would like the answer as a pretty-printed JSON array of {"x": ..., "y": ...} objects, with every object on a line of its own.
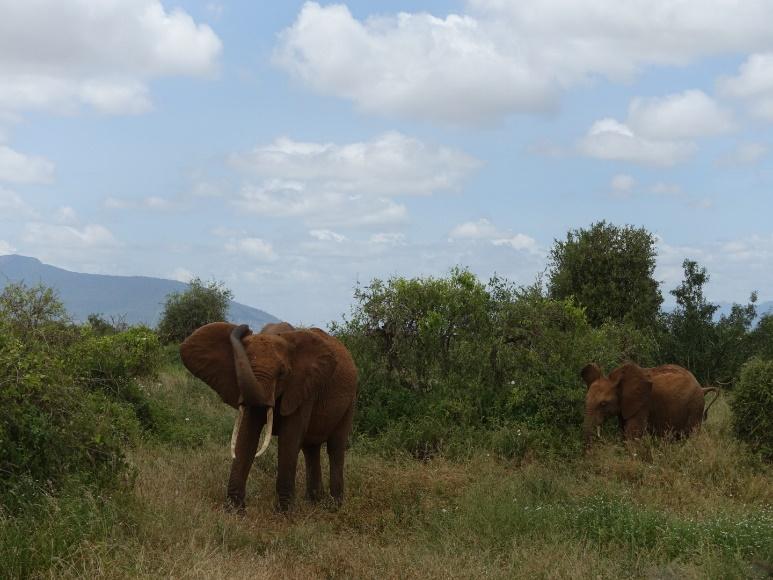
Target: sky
[{"x": 295, "y": 150}]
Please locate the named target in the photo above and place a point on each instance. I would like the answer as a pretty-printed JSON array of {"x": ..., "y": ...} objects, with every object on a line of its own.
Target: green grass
[{"x": 701, "y": 508}]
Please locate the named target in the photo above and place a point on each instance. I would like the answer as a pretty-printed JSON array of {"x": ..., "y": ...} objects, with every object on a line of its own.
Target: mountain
[{"x": 135, "y": 299}]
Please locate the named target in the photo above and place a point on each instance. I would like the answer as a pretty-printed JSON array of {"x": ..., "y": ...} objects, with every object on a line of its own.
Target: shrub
[
  {"x": 752, "y": 406},
  {"x": 51, "y": 429},
  {"x": 440, "y": 358},
  {"x": 200, "y": 304}
]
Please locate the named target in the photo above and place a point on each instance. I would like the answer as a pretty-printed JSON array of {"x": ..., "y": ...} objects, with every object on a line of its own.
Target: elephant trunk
[
  {"x": 590, "y": 427},
  {"x": 252, "y": 392}
]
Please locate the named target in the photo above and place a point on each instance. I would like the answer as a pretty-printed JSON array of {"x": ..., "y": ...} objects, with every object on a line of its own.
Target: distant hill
[{"x": 135, "y": 299}]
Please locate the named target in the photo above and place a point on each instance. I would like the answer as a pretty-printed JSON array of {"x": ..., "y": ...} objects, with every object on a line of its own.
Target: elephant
[
  {"x": 660, "y": 400},
  {"x": 305, "y": 374}
]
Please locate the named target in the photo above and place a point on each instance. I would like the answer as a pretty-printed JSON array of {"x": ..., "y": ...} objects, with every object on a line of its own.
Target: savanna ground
[{"x": 702, "y": 508}]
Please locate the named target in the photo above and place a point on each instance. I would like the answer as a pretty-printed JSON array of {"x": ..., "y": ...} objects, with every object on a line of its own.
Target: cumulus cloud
[
  {"x": 622, "y": 185},
  {"x": 181, "y": 274},
  {"x": 60, "y": 56},
  {"x": 327, "y": 236},
  {"x": 753, "y": 84},
  {"x": 686, "y": 115},
  {"x": 483, "y": 229},
  {"x": 390, "y": 164},
  {"x": 253, "y": 248},
  {"x": 502, "y": 57},
  {"x": 12, "y": 206},
  {"x": 354, "y": 184},
  {"x": 612, "y": 140},
  {"x": 66, "y": 236},
  {"x": 387, "y": 238},
  {"x": 20, "y": 168}
]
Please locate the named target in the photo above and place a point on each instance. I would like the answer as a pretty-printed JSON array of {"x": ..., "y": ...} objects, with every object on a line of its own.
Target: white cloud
[
  {"x": 667, "y": 189},
  {"x": 59, "y": 56},
  {"x": 69, "y": 237},
  {"x": 517, "y": 242},
  {"x": 327, "y": 236},
  {"x": 483, "y": 229},
  {"x": 622, "y": 185},
  {"x": 615, "y": 141},
  {"x": 480, "y": 229},
  {"x": 390, "y": 164},
  {"x": 252, "y": 247},
  {"x": 684, "y": 115},
  {"x": 12, "y": 206},
  {"x": 505, "y": 57},
  {"x": 66, "y": 215},
  {"x": 329, "y": 185},
  {"x": 6, "y": 248},
  {"x": 753, "y": 84},
  {"x": 387, "y": 238},
  {"x": 20, "y": 168}
]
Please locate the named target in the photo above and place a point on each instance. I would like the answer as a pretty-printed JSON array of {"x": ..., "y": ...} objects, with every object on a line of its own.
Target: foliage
[
  {"x": 51, "y": 429},
  {"x": 712, "y": 350},
  {"x": 443, "y": 358},
  {"x": 33, "y": 313},
  {"x": 102, "y": 326},
  {"x": 753, "y": 406},
  {"x": 202, "y": 303},
  {"x": 761, "y": 337},
  {"x": 609, "y": 271}
]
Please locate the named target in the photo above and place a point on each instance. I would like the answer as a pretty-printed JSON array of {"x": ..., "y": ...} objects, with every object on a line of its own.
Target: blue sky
[{"x": 292, "y": 150}]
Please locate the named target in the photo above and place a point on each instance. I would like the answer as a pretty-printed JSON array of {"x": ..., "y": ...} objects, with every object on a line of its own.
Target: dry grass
[{"x": 604, "y": 516}]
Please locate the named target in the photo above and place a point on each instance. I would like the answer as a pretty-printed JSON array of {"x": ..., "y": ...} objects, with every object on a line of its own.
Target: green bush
[
  {"x": 442, "y": 359},
  {"x": 200, "y": 304},
  {"x": 752, "y": 406},
  {"x": 51, "y": 429}
]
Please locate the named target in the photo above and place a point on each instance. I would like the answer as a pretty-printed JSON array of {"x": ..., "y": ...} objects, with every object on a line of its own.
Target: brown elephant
[
  {"x": 664, "y": 399},
  {"x": 307, "y": 375}
]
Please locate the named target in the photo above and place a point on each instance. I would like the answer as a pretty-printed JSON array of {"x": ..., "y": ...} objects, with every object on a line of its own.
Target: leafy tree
[
  {"x": 761, "y": 338},
  {"x": 691, "y": 334},
  {"x": 184, "y": 312},
  {"x": 33, "y": 312},
  {"x": 609, "y": 271}
]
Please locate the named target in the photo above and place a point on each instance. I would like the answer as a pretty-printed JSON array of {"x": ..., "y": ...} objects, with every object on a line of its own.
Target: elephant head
[
  {"x": 625, "y": 392},
  {"x": 258, "y": 370}
]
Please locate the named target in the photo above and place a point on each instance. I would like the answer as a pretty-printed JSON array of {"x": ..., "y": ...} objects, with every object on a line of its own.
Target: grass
[{"x": 701, "y": 508}]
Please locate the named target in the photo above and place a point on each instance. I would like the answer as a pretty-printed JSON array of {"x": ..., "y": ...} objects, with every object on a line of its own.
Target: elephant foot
[{"x": 235, "y": 505}]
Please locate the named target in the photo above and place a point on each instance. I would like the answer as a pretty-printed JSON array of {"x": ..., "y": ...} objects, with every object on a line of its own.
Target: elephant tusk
[
  {"x": 235, "y": 432},
  {"x": 266, "y": 432},
  {"x": 598, "y": 431}
]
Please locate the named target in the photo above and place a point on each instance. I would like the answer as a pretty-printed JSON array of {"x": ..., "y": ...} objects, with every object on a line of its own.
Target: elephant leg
[
  {"x": 336, "y": 450},
  {"x": 246, "y": 445},
  {"x": 313, "y": 472},
  {"x": 291, "y": 435},
  {"x": 634, "y": 430}
]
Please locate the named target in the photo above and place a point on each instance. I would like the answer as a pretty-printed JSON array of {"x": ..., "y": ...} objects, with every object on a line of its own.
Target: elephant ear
[
  {"x": 208, "y": 354},
  {"x": 312, "y": 364},
  {"x": 635, "y": 389},
  {"x": 591, "y": 373}
]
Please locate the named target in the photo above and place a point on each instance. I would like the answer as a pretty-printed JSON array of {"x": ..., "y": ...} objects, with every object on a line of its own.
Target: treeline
[{"x": 450, "y": 364}]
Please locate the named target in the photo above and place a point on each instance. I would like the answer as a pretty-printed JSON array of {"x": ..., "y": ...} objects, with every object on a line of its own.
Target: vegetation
[
  {"x": 202, "y": 303},
  {"x": 609, "y": 270},
  {"x": 466, "y": 455},
  {"x": 752, "y": 405}
]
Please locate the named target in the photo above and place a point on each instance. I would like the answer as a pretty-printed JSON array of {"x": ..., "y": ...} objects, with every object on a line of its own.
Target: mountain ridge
[{"x": 134, "y": 299}]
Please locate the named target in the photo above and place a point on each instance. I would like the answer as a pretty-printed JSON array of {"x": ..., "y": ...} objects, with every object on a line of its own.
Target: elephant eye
[
  {"x": 604, "y": 403},
  {"x": 282, "y": 371}
]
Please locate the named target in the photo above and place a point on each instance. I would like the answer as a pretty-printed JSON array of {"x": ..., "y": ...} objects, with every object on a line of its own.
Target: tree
[
  {"x": 609, "y": 271},
  {"x": 33, "y": 312},
  {"x": 200, "y": 304},
  {"x": 691, "y": 333}
]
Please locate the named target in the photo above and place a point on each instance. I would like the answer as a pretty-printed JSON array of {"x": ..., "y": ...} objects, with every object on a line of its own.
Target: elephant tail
[{"x": 707, "y": 390}]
